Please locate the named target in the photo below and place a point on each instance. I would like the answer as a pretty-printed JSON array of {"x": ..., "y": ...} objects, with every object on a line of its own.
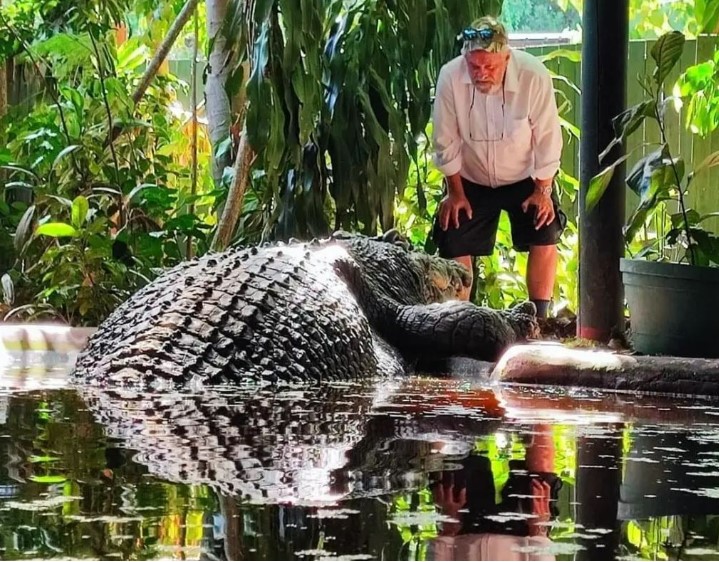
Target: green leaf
[
  {"x": 48, "y": 479},
  {"x": 708, "y": 216},
  {"x": 62, "y": 200},
  {"x": 599, "y": 183},
  {"x": 5, "y": 156},
  {"x": 56, "y": 230},
  {"x": 654, "y": 174},
  {"x": 8, "y": 289},
  {"x": 709, "y": 162},
  {"x": 693, "y": 218},
  {"x": 138, "y": 188},
  {"x": 627, "y": 122},
  {"x": 263, "y": 9},
  {"x": 75, "y": 98},
  {"x": 19, "y": 185},
  {"x": 21, "y": 170},
  {"x": 652, "y": 178},
  {"x": 42, "y": 459},
  {"x": 64, "y": 152},
  {"x": 22, "y": 233},
  {"x": 80, "y": 208},
  {"x": 707, "y": 15},
  {"x": 573, "y": 56},
  {"x": 259, "y": 93},
  {"x": 666, "y": 52}
]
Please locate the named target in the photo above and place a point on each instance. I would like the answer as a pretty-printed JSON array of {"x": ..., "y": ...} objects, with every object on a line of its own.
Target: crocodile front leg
[{"x": 460, "y": 328}]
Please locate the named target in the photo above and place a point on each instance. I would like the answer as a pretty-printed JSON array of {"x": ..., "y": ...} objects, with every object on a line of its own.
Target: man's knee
[{"x": 547, "y": 252}]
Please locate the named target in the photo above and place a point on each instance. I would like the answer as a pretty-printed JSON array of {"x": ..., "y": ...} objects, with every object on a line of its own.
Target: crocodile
[{"x": 339, "y": 309}]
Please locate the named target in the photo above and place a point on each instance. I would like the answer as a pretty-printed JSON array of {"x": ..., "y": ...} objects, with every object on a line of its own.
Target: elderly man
[{"x": 498, "y": 142}]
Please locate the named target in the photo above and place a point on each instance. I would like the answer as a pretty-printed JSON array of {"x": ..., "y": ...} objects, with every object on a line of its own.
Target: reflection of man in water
[{"x": 514, "y": 529}]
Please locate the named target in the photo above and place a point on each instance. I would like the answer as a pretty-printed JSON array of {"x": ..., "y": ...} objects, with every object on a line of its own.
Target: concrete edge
[{"x": 43, "y": 337}]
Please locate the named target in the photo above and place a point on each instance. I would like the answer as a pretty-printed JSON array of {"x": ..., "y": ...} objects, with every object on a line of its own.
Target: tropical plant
[
  {"x": 660, "y": 177},
  {"x": 99, "y": 194},
  {"x": 338, "y": 95},
  {"x": 539, "y": 16},
  {"x": 698, "y": 85},
  {"x": 650, "y": 19},
  {"x": 342, "y": 144}
]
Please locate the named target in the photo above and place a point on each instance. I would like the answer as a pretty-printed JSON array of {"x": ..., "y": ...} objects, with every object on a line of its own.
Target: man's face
[{"x": 487, "y": 69}]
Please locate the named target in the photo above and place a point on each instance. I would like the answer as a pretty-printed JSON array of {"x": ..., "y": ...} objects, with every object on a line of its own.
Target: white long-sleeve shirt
[{"x": 502, "y": 138}]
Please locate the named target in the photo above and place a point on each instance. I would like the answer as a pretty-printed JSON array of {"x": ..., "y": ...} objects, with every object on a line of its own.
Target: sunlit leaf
[
  {"x": 56, "y": 230},
  {"x": 599, "y": 183},
  {"x": 80, "y": 208},
  {"x": 48, "y": 479},
  {"x": 707, "y": 15},
  {"x": 42, "y": 459},
  {"x": 574, "y": 56}
]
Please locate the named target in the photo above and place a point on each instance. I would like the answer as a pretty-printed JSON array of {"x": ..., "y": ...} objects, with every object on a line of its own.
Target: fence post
[{"x": 601, "y": 244}]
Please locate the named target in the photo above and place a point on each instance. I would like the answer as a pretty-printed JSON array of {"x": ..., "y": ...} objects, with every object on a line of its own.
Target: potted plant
[{"x": 670, "y": 280}]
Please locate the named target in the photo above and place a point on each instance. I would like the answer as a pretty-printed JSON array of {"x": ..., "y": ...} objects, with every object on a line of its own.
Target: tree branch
[
  {"x": 173, "y": 33},
  {"x": 235, "y": 195},
  {"x": 193, "y": 140}
]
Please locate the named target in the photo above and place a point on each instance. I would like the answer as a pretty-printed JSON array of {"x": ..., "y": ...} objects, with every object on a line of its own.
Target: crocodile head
[{"x": 390, "y": 265}]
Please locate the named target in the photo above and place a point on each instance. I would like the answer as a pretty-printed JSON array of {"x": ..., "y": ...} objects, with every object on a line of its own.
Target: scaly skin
[{"x": 341, "y": 309}]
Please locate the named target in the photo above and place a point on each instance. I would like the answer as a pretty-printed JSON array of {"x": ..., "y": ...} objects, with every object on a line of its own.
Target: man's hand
[
  {"x": 542, "y": 203},
  {"x": 541, "y": 496},
  {"x": 450, "y": 500},
  {"x": 449, "y": 209}
]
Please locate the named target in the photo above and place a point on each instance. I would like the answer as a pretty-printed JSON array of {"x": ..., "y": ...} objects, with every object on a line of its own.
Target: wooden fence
[{"x": 704, "y": 195}]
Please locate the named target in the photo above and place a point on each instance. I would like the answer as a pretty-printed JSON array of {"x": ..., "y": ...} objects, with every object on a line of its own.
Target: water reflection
[
  {"x": 289, "y": 446},
  {"x": 514, "y": 527},
  {"x": 416, "y": 470}
]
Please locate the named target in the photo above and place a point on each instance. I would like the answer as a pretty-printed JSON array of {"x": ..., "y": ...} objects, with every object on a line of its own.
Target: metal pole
[
  {"x": 604, "y": 77},
  {"x": 598, "y": 482}
]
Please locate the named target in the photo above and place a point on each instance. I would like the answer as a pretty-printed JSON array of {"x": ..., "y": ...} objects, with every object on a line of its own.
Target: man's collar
[{"x": 511, "y": 76}]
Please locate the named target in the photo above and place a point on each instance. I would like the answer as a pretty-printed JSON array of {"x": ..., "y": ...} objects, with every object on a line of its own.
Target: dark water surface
[{"x": 422, "y": 469}]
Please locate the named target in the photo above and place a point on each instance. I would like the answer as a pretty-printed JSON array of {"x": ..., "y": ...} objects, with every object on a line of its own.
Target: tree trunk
[
  {"x": 235, "y": 196},
  {"x": 193, "y": 140},
  {"x": 3, "y": 88},
  {"x": 4, "y": 65},
  {"x": 219, "y": 113},
  {"x": 3, "y": 85},
  {"x": 162, "y": 52}
]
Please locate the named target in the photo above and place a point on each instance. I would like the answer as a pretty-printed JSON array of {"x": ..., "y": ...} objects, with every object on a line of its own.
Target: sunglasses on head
[{"x": 472, "y": 34}]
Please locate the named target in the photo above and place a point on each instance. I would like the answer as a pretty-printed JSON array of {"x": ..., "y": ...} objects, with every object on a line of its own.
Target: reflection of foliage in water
[
  {"x": 73, "y": 502},
  {"x": 672, "y": 538},
  {"x": 417, "y": 518},
  {"x": 108, "y": 505}
]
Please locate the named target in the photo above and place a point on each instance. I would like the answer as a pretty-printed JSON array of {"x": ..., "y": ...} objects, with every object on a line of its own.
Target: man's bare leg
[
  {"x": 466, "y": 261},
  {"x": 541, "y": 273}
]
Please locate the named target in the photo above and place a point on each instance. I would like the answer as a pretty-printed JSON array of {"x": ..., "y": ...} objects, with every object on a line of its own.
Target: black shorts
[{"x": 477, "y": 236}]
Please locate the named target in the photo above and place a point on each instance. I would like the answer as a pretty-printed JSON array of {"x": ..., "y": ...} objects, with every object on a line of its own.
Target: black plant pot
[{"x": 674, "y": 308}]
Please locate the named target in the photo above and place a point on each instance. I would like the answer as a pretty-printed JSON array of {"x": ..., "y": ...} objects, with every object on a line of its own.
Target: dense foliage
[
  {"x": 87, "y": 220},
  {"x": 98, "y": 190}
]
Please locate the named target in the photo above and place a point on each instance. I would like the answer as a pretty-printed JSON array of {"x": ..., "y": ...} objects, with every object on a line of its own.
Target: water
[{"x": 423, "y": 469}]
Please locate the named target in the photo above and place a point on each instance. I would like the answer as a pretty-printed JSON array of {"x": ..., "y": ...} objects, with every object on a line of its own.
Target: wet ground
[{"x": 423, "y": 469}]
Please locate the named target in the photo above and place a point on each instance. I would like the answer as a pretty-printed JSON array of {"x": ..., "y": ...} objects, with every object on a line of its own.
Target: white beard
[{"x": 489, "y": 90}]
